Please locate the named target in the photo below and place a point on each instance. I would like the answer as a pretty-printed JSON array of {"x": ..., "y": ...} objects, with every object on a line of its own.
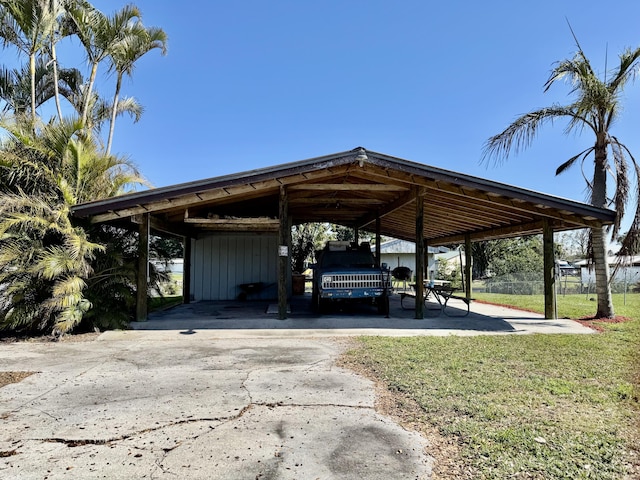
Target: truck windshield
[{"x": 352, "y": 259}]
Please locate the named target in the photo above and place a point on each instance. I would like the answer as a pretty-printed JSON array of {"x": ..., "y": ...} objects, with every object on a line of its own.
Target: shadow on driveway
[{"x": 352, "y": 319}]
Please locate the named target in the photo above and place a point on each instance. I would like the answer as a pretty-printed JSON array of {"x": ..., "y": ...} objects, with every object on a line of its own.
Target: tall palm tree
[
  {"x": 138, "y": 41},
  {"x": 27, "y": 25},
  {"x": 595, "y": 108},
  {"x": 57, "y": 30},
  {"x": 99, "y": 34}
]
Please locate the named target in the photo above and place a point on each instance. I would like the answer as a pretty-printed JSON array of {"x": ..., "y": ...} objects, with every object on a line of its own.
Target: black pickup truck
[{"x": 347, "y": 272}]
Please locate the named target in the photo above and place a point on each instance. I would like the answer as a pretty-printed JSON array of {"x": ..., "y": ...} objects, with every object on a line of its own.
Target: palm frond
[
  {"x": 628, "y": 68},
  {"x": 622, "y": 189},
  {"x": 569, "y": 163},
  {"x": 521, "y": 133}
]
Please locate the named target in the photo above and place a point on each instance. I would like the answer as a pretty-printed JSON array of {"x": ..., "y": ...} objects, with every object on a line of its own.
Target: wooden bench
[
  {"x": 404, "y": 295},
  {"x": 448, "y": 297}
]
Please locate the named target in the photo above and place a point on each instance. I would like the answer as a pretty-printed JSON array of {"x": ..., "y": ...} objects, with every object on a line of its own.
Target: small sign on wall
[{"x": 283, "y": 251}]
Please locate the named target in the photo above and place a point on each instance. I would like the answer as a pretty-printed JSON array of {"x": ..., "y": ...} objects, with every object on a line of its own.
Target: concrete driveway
[
  {"x": 221, "y": 391},
  {"x": 180, "y": 404}
]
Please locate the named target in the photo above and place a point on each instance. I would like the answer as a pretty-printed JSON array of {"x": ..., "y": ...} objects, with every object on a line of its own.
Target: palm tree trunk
[
  {"x": 603, "y": 289},
  {"x": 598, "y": 234},
  {"x": 54, "y": 59},
  {"x": 114, "y": 112},
  {"x": 87, "y": 97},
  {"x": 32, "y": 71}
]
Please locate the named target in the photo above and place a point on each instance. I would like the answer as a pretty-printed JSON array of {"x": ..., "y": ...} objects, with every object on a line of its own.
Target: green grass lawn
[
  {"x": 569, "y": 306},
  {"x": 524, "y": 406}
]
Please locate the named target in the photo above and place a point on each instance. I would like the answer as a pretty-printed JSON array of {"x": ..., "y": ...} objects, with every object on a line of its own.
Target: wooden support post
[
  {"x": 549, "y": 273},
  {"x": 378, "y": 237},
  {"x": 186, "y": 270},
  {"x": 142, "y": 281},
  {"x": 284, "y": 234},
  {"x": 420, "y": 254},
  {"x": 468, "y": 259}
]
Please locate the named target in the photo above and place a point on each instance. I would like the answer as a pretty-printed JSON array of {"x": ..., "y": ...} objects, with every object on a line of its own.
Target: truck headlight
[{"x": 326, "y": 279}]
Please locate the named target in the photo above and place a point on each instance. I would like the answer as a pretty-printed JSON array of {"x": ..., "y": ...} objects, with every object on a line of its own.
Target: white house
[
  {"x": 400, "y": 253},
  {"x": 621, "y": 269}
]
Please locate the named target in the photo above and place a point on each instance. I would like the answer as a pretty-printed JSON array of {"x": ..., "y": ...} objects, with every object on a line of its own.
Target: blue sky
[{"x": 249, "y": 84}]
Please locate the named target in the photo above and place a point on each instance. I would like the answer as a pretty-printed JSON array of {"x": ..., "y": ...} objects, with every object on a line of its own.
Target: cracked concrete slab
[{"x": 170, "y": 406}]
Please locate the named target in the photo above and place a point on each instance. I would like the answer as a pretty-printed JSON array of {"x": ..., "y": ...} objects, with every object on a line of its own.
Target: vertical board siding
[{"x": 222, "y": 262}]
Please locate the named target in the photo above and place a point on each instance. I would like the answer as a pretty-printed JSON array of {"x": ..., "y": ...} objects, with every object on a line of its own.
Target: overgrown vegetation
[
  {"x": 530, "y": 406},
  {"x": 56, "y": 274}
]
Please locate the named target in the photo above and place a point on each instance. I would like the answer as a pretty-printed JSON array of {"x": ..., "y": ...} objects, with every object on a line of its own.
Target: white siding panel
[{"x": 222, "y": 262}]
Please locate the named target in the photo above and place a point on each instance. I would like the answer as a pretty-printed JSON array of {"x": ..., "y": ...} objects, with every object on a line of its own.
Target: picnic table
[{"x": 442, "y": 294}]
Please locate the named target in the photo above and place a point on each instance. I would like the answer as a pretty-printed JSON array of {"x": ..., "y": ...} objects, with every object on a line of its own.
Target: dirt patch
[
  {"x": 7, "y": 378},
  {"x": 13, "y": 377},
  {"x": 596, "y": 323},
  {"x": 446, "y": 451}
]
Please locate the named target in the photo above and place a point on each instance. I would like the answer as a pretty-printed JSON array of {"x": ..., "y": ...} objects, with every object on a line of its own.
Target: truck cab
[{"x": 347, "y": 272}]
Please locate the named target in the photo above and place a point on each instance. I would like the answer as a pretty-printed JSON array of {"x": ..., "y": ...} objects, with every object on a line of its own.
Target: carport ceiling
[{"x": 352, "y": 188}]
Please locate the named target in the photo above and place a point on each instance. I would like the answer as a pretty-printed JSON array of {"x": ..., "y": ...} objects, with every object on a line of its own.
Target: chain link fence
[{"x": 533, "y": 284}]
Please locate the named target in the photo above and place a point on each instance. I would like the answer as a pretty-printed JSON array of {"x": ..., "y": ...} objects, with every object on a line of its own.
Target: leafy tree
[
  {"x": 305, "y": 240},
  {"x": 576, "y": 243},
  {"x": 595, "y": 108},
  {"x": 510, "y": 256},
  {"x": 346, "y": 234}
]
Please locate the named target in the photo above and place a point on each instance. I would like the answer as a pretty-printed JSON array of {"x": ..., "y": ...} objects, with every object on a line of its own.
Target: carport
[{"x": 360, "y": 189}]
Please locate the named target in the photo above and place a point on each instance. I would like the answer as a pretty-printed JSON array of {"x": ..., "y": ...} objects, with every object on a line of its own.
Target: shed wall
[{"x": 221, "y": 262}]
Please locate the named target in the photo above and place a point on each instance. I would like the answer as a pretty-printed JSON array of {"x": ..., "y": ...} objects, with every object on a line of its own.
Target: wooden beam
[
  {"x": 512, "y": 230},
  {"x": 468, "y": 258},
  {"x": 348, "y": 187},
  {"x": 235, "y": 225},
  {"x": 549, "y": 274},
  {"x": 419, "y": 199},
  {"x": 186, "y": 271},
  {"x": 284, "y": 243},
  {"x": 378, "y": 239},
  {"x": 142, "y": 280},
  {"x": 388, "y": 209},
  {"x": 335, "y": 200}
]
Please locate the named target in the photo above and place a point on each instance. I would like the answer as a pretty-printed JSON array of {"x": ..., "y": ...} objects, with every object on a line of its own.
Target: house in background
[
  {"x": 401, "y": 253},
  {"x": 621, "y": 269},
  {"x": 453, "y": 260}
]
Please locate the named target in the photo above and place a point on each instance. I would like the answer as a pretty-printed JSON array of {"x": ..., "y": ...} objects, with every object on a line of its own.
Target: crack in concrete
[{"x": 223, "y": 421}]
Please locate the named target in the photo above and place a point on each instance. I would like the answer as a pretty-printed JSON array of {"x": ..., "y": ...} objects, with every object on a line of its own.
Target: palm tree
[
  {"x": 596, "y": 107},
  {"x": 99, "y": 34},
  {"x": 45, "y": 258},
  {"x": 138, "y": 41},
  {"x": 28, "y": 24},
  {"x": 15, "y": 86}
]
